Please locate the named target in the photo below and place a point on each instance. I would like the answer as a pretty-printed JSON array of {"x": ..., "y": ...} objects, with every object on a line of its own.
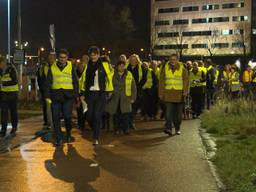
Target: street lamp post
[{"x": 9, "y": 32}]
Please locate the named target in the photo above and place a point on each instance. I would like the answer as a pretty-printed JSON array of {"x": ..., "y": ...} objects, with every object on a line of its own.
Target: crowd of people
[{"x": 110, "y": 95}]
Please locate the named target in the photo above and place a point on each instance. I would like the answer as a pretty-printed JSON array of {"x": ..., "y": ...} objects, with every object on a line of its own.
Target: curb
[{"x": 210, "y": 149}]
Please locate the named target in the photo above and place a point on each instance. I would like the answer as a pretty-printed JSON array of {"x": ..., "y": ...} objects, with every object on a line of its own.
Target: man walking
[
  {"x": 41, "y": 80},
  {"x": 9, "y": 96},
  {"x": 97, "y": 89},
  {"x": 62, "y": 88},
  {"x": 173, "y": 88}
]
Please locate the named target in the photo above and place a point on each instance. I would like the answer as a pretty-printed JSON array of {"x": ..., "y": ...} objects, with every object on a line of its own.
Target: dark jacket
[
  {"x": 90, "y": 74},
  {"x": 41, "y": 77},
  {"x": 61, "y": 94},
  {"x": 120, "y": 96},
  {"x": 14, "y": 80},
  {"x": 210, "y": 77},
  {"x": 135, "y": 73}
]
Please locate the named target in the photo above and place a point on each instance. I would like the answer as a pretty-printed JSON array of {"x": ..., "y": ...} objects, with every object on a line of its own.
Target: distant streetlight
[
  {"x": 26, "y": 44},
  {"x": 42, "y": 49},
  {"x": 141, "y": 49},
  {"x": 78, "y": 60},
  {"x": 103, "y": 49},
  {"x": 109, "y": 52}
]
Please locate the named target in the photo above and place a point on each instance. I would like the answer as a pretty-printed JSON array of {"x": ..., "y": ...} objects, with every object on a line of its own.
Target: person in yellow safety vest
[
  {"x": 234, "y": 81},
  {"x": 9, "y": 96},
  {"x": 120, "y": 105},
  {"x": 149, "y": 94},
  {"x": 210, "y": 85},
  {"x": 134, "y": 65},
  {"x": 224, "y": 78},
  {"x": 173, "y": 88},
  {"x": 42, "y": 73},
  {"x": 155, "y": 68},
  {"x": 197, "y": 89},
  {"x": 247, "y": 80},
  {"x": 96, "y": 90},
  {"x": 81, "y": 74},
  {"x": 254, "y": 82},
  {"x": 61, "y": 90}
]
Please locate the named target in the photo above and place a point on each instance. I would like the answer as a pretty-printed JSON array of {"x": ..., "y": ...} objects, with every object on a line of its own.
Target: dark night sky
[{"x": 37, "y": 15}]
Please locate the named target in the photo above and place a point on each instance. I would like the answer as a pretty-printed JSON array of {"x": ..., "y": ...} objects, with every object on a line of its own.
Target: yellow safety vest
[
  {"x": 12, "y": 88},
  {"x": 234, "y": 80},
  {"x": 204, "y": 69},
  {"x": 247, "y": 76},
  {"x": 44, "y": 70},
  {"x": 157, "y": 73},
  {"x": 149, "y": 82},
  {"x": 196, "y": 76},
  {"x": 173, "y": 81},
  {"x": 225, "y": 75},
  {"x": 140, "y": 70},
  {"x": 109, "y": 83},
  {"x": 216, "y": 76},
  {"x": 62, "y": 79},
  {"x": 128, "y": 84},
  {"x": 81, "y": 79}
]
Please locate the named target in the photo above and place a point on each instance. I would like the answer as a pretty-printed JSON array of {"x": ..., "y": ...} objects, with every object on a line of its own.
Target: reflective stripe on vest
[
  {"x": 128, "y": 84},
  {"x": 149, "y": 82},
  {"x": 62, "y": 79},
  {"x": 198, "y": 77},
  {"x": 11, "y": 88},
  {"x": 173, "y": 80},
  {"x": 233, "y": 78}
]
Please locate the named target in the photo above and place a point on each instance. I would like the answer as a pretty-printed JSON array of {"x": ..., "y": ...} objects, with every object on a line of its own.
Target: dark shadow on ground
[{"x": 73, "y": 168}]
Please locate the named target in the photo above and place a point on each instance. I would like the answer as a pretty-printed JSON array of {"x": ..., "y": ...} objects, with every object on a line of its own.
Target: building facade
[{"x": 201, "y": 28}]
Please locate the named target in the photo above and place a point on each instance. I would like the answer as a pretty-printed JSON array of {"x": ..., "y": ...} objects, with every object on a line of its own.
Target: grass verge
[{"x": 233, "y": 124}]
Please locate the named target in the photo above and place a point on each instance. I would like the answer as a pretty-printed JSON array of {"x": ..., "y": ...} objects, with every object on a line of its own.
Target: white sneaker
[
  {"x": 178, "y": 133},
  {"x": 96, "y": 142}
]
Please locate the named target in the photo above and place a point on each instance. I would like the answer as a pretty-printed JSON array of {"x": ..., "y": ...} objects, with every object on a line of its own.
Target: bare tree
[
  {"x": 211, "y": 40},
  {"x": 179, "y": 39},
  {"x": 242, "y": 36}
]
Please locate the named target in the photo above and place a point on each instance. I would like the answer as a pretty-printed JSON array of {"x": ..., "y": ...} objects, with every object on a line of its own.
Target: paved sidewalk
[{"x": 145, "y": 161}]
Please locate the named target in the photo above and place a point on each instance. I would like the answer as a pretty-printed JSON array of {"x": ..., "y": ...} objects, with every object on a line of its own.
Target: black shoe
[
  {"x": 58, "y": 143},
  {"x": 168, "y": 132},
  {"x": 13, "y": 132},
  {"x": 133, "y": 127},
  {"x": 2, "y": 134}
]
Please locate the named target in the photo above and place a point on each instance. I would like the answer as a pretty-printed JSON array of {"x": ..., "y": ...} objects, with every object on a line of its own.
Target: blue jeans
[
  {"x": 62, "y": 108},
  {"x": 96, "y": 104},
  {"x": 174, "y": 113}
]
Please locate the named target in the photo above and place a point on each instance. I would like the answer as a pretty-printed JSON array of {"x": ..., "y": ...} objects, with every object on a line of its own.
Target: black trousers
[
  {"x": 80, "y": 117},
  {"x": 6, "y": 107},
  {"x": 62, "y": 108},
  {"x": 44, "y": 106},
  {"x": 198, "y": 99},
  {"x": 96, "y": 104},
  {"x": 149, "y": 102}
]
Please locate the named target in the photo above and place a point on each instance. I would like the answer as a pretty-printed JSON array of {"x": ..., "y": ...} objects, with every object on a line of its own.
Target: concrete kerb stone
[{"x": 210, "y": 149}]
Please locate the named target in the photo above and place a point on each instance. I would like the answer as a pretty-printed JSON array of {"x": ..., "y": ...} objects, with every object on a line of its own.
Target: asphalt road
[{"x": 145, "y": 161}]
